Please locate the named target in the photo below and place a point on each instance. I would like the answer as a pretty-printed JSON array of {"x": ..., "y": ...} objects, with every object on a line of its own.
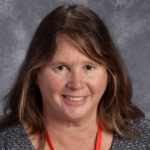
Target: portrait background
[{"x": 127, "y": 20}]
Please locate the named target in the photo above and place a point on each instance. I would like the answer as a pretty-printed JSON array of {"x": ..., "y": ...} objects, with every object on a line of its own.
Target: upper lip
[{"x": 75, "y": 96}]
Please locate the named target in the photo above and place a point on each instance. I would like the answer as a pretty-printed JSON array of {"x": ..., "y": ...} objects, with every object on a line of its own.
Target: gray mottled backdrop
[{"x": 127, "y": 20}]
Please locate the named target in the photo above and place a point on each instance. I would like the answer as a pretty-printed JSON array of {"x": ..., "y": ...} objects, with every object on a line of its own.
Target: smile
[{"x": 74, "y": 100}]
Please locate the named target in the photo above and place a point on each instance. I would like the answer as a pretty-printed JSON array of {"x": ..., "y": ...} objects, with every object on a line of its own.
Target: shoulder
[
  {"x": 14, "y": 137},
  {"x": 142, "y": 123},
  {"x": 142, "y": 141}
]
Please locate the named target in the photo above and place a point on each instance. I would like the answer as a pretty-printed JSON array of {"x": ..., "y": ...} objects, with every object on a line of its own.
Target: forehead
[
  {"x": 81, "y": 43},
  {"x": 68, "y": 49}
]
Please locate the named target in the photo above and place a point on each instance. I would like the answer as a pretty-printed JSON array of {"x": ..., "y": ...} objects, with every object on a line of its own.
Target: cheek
[
  {"x": 49, "y": 84},
  {"x": 99, "y": 84}
]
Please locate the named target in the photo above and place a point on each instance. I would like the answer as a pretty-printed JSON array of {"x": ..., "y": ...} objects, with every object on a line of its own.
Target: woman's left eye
[{"x": 89, "y": 67}]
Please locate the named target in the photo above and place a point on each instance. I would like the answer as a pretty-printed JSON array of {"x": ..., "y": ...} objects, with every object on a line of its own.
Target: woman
[{"x": 73, "y": 91}]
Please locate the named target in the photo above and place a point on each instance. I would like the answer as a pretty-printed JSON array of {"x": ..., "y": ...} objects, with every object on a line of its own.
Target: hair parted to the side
[{"x": 90, "y": 34}]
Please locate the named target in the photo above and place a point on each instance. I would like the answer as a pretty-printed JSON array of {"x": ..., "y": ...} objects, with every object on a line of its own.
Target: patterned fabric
[
  {"x": 14, "y": 138},
  {"x": 141, "y": 143}
]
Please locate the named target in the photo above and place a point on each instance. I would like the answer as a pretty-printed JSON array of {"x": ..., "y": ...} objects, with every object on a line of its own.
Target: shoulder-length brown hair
[{"x": 93, "y": 39}]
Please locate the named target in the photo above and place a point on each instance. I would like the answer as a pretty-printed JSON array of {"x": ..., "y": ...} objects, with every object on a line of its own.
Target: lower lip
[{"x": 74, "y": 102}]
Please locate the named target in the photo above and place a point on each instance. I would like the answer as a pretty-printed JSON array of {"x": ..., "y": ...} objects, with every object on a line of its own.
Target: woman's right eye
[{"x": 61, "y": 68}]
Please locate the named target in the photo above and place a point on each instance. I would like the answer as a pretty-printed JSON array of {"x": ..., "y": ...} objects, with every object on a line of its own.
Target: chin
[{"x": 76, "y": 117}]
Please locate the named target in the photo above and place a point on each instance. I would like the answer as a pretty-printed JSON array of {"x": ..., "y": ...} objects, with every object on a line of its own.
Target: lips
[{"x": 74, "y": 100}]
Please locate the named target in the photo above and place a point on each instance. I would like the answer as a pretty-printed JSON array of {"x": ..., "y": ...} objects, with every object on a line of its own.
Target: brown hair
[{"x": 91, "y": 35}]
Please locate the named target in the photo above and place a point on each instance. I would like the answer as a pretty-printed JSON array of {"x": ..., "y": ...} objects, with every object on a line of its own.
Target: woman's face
[{"x": 71, "y": 84}]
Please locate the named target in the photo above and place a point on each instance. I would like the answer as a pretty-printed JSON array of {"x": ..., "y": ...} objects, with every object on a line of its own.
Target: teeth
[{"x": 74, "y": 98}]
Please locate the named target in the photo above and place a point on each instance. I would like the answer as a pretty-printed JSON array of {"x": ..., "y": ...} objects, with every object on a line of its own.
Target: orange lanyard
[{"x": 97, "y": 144}]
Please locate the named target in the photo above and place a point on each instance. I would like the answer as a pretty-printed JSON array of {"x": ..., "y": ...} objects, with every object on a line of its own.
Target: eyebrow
[{"x": 68, "y": 63}]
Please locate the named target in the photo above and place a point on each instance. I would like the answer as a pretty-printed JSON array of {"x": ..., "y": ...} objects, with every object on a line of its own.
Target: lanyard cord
[
  {"x": 48, "y": 141},
  {"x": 97, "y": 144},
  {"x": 99, "y": 136}
]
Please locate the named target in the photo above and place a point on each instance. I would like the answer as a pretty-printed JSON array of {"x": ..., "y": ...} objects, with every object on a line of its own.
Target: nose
[{"x": 75, "y": 81}]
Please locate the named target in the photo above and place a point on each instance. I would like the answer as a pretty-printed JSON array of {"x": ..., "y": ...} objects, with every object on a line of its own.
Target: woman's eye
[
  {"x": 61, "y": 68},
  {"x": 89, "y": 67}
]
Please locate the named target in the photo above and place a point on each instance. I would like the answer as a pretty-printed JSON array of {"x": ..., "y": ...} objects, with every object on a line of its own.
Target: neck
[
  {"x": 72, "y": 132},
  {"x": 71, "y": 126}
]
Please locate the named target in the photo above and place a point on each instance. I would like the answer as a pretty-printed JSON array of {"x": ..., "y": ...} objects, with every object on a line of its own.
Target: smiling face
[{"x": 71, "y": 84}]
